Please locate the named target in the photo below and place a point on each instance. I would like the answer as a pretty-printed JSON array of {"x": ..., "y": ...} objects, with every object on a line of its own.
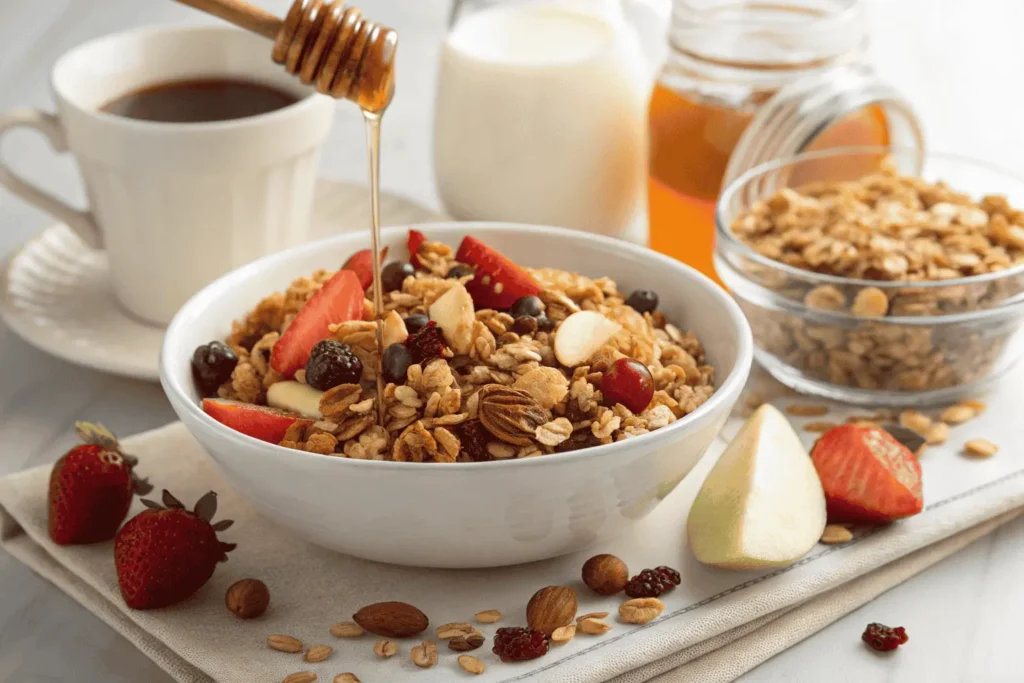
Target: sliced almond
[
  {"x": 347, "y": 629},
  {"x": 283, "y": 643},
  {"x": 581, "y": 335},
  {"x": 836, "y": 535},
  {"x": 641, "y": 610},
  {"x": 453, "y": 313},
  {"x": 915, "y": 420},
  {"x": 295, "y": 397},
  {"x": 563, "y": 634},
  {"x": 394, "y": 330},
  {"x": 318, "y": 653},
  {"x": 937, "y": 434},
  {"x": 593, "y": 627},
  {"x": 591, "y": 615},
  {"x": 488, "y": 616}
]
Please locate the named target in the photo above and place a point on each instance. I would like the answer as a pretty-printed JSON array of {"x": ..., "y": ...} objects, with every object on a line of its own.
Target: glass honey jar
[{"x": 746, "y": 82}]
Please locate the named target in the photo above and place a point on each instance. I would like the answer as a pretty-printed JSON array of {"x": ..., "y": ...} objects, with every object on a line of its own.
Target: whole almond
[
  {"x": 385, "y": 648},
  {"x": 551, "y": 608},
  {"x": 424, "y": 655},
  {"x": 247, "y": 598},
  {"x": 458, "y": 628},
  {"x": 346, "y": 678},
  {"x": 488, "y": 616},
  {"x": 300, "y": 677},
  {"x": 318, "y": 653},
  {"x": 346, "y": 629},
  {"x": 284, "y": 643},
  {"x": 391, "y": 619},
  {"x": 605, "y": 574},
  {"x": 471, "y": 664},
  {"x": 640, "y": 610},
  {"x": 466, "y": 643}
]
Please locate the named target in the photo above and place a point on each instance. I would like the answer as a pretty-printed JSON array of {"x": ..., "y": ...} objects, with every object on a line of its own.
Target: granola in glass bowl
[{"x": 483, "y": 360}]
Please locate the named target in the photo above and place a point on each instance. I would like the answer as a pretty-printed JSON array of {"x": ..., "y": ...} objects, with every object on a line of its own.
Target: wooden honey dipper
[{"x": 325, "y": 43}]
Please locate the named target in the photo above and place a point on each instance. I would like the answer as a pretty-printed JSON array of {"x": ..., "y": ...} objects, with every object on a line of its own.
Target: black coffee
[{"x": 201, "y": 100}]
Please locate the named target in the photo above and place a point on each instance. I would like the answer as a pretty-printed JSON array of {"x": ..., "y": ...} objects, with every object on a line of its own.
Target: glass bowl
[{"x": 937, "y": 340}]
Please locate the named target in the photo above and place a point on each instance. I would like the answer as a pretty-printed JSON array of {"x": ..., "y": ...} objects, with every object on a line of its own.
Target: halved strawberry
[
  {"x": 498, "y": 281},
  {"x": 415, "y": 239},
  {"x": 340, "y": 299},
  {"x": 260, "y": 422},
  {"x": 361, "y": 263},
  {"x": 868, "y": 475}
]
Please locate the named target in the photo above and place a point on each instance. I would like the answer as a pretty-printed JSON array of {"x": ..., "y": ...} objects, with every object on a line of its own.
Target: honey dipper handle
[{"x": 241, "y": 14}]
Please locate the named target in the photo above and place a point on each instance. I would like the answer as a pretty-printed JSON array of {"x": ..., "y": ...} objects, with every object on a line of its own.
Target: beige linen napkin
[{"x": 716, "y": 625}]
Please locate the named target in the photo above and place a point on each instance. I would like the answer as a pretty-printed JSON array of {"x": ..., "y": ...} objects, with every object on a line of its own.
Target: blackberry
[
  {"x": 460, "y": 270},
  {"x": 527, "y": 305},
  {"x": 332, "y": 363},
  {"x": 514, "y": 644},
  {"x": 428, "y": 343},
  {"x": 474, "y": 437},
  {"x": 648, "y": 584},
  {"x": 881, "y": 638},
  {"x": 393, "y": 275},
  {"x": 212, "y": 365},
  {"x": 668, "y": 575},
  {"x": 415, "y": 322},
  {"x": 396, "y": 362},
  {"x": 643, "y": 301}
]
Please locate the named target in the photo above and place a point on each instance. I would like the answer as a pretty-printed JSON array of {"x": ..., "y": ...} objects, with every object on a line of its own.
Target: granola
[{"x": 473, "y": 382}]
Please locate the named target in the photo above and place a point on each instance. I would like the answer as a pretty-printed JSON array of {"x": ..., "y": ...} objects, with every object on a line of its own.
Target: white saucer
[{"x": 57, "y": 294}]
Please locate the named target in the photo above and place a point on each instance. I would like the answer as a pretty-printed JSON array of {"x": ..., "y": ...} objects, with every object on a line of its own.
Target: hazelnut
[
  {"x": 605, "y": 574},
  {"x": 551, "y": 608},
  {"x": 247, "y": 598}
]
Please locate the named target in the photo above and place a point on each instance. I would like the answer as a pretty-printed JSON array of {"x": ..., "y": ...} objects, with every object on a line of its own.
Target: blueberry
[
  {"x": 397, "y": 360},
  {"x": 212, "y": 365},
  {"x": 393, "y": 275},
  {"x": 415, "y": 322},
  {"x": 332, "y": 363},
  {"x": 643, "y": 301},
  {"x": 460, "y": 270},
  {"x": 527, "y": 305}
]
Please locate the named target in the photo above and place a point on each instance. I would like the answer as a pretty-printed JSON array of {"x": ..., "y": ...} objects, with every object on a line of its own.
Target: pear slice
[
  {"x": 453, "y": 313},
  {"x": 762, "y": 504},
  {"x": 581, "y": 335},
  {"x": 295, "y": 397}
]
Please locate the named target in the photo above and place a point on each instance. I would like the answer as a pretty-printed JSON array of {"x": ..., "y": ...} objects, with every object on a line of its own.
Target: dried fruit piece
[
  {"x": 881, "y": 638},
  {"x": 459, "y": 628},
  {"x": 385, "y": 648},
  {"x": 283, "y": 643},
  {"x": 346, "y": 629},
  {"x": 300, "y": 677},
  {"x": 427, "y": 343},
  {"x": 551, "y": 608},
  {"x": 413, "y": 243},
  {"x": 605, "y": 574},
  {"x": 868, "y": 476},
  {"x": 471, "y": 664},
  {"x": 318, "y": 653},
  {"x": 563, "y": 634},
  {"x": 466, "y": 643},
  {"x": 424, "y": 655},
  {"x": 648, "y": 584},
  {"x": 981, "y": 447},
  {"x": 515, "y": 644},
  {"x": 835, "y": 534},
  {"x": 391, "y": 619},
  {"x": 581, "y": 335},
  {"x": 488, "y": 616},
  {"x": 593, "y": 627},
  {"x": 510, "y": 415},
  {"x": 668, "y": 575},
  {"x": 641, "y": 610},
  {"x": 247, "y": 598}
]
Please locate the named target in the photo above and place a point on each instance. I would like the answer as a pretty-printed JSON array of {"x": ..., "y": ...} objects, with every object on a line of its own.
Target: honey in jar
[{"x": 729, "y": 63}]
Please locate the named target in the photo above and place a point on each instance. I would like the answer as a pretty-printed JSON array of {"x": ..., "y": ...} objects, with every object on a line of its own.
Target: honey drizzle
[{"x": 373, "y": 147}]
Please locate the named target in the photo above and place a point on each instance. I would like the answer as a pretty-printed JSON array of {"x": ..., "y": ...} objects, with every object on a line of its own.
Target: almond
[
  {"x": 346, "y": 629},
  {"x": 446, "y": 631},
  {"x": 488, "y": 616},
  {"x": 385, "y": 648},
  {"x": 391, "y": 619},
  {"x": 393, "y": 329},
  {"x": 295, "y": 397},
  {"x": 318, "y": 653},
  {"x": 346, "y": 678},
  {"x": 593, "y": 627},
  {"x": 300, "y": 677},
  {"x": 471, "y": 664},
  {"x": 581, "y": 335},
  {"x": 640, "y": 610},
  {"x": 453, "y": 313},
  {"x": 551, "y": 608},
  {"x": 284, "y": 643},
  {"x": 563, "y": 634}
]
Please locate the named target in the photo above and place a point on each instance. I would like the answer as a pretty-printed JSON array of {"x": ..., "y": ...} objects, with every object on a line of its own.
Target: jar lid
[{"x": 789, "y": 122}]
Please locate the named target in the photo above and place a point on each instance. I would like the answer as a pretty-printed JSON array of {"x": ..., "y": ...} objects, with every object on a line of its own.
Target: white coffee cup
[{"x": 175, "y": 205}]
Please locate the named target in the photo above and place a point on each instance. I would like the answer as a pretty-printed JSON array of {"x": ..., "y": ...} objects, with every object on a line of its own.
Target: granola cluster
[
  {"x": 497, "y": 392},
  {"x": 891, "y": 229}
]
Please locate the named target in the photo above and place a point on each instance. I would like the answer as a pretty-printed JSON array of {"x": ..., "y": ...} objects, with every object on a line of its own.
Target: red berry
[
  {"x": 498, "y": 282},
  {"x": 427, "y": 344},
  {"x": 413, "y": 242},
  {"x": 361, "y": 263},
  {"x": 650, "y": 583},
  {"x": 628, "y": 382},
  {"x": 882, "y": 638},
  {"x": 474, "y": 437},
  {"x": 668, "y": 575},
  {"x": 515, "y": 644}
]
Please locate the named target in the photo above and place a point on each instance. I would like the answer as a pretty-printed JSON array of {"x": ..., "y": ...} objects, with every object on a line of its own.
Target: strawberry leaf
[
  {"x": 223, "y": 525},
  {"x": 142, "y": 486},
  {"x": 152, "y": 504},
  {"x": 130, "y": 459},
  {"x": 206, "y": 507},
  {"x": 96, "y": 434},
  {"x": 172, "y": 502}
]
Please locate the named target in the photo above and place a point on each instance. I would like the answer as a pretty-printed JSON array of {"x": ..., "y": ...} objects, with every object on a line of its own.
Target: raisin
[
  {"x": 668, "y": 575},
  {"x": 649, "y": 583},
  {"x": 474, "y": 437},
  {"x": 427, "y": 344},
  {"x": 515, "y": 644},
  {"x": 882, "y": 638},
  {"x": 525, "y": 324},
  {"x": 212, "y": 365},
  {"x": 643, "y": 301}
]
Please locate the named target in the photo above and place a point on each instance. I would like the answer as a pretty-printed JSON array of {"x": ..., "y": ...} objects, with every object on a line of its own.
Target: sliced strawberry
[
  {"x": 499, "y": 281},
  {"x": 416, "y": 238},
  {"x": 361, "y": 263},
  {"x": 868, "y": 475},
  {"x": 259, "y": 422},
  {"x": 340, "y": 299}
]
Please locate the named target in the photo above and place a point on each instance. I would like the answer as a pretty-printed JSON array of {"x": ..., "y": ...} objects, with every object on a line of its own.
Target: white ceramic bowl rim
[{"x": 744, "y": 355}]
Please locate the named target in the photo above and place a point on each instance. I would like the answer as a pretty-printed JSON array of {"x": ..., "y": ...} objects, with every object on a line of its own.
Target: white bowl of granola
[{"x": 499, "y": 438}]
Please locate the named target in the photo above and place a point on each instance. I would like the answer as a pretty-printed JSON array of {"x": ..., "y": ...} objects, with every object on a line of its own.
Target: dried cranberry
[
  {"x": 628, "y": 382},
  {"x": 668, "y": 575},
  {"x": 426, "y": 344},
  {"x": 515, "y": 644},
  {"x": 882, "y": 638},
  {"x": 474, "y": 437},
  {"x": 650, "y": 583}
]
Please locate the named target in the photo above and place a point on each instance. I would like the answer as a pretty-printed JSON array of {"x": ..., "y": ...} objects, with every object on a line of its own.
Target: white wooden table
[{"x": 963, "y": 615}]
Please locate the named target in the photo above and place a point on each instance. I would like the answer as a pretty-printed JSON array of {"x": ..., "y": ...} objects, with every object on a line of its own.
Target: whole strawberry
[
  {"x": 166, "y": 553},
  {"x": 91, "y": 488}
]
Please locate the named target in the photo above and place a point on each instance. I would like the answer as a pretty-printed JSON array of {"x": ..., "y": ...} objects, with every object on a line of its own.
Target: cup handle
[{"x": 81, "y": 222}]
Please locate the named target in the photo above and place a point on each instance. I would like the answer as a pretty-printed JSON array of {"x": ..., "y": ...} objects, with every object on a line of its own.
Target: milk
[{"x": 540, "y": 118}]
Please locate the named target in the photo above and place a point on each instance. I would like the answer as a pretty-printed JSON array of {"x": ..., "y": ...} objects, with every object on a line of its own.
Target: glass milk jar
[{"x": 541, "y": 115}]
